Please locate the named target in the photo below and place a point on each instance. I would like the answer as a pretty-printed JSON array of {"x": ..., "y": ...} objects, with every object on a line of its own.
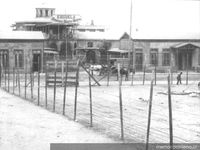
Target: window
[
  {"x": 4, "y": 60},
  {"x": 51, "y": 12},
  {"x": 199, "y": 57},
  {"x": 81, "y": 30},
  {"x": 90, "y": 44},
  {"x": 19, "y": 58},
  {"x": 41, "y": 13},
  {"x": 46, "y": 13},
  {"x": 166, "y": 57},
  {"x": 154, "y": 57}
]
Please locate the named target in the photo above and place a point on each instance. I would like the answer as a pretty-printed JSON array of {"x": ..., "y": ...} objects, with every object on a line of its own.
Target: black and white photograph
[{"x": 100, "y": 75}]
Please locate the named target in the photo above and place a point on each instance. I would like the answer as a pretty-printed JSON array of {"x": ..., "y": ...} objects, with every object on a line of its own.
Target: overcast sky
[{"x": 148, "y": 15}]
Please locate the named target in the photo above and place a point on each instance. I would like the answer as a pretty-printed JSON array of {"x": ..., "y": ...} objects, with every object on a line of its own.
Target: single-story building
[
  {"x": 21, "y": 49},
  {"x": 171, "y": 51}
]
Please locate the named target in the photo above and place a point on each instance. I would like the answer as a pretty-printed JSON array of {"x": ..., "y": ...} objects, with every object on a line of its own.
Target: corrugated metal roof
[{"x": 21, "y": 35}]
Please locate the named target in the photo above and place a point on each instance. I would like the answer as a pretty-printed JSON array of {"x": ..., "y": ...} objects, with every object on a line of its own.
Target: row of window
[
  {"x": 165, "y": 57},
  {"x": 18, "y": 55}
]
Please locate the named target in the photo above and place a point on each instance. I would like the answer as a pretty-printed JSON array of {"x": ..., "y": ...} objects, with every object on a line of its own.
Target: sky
[{"x": 147, "y": 15}]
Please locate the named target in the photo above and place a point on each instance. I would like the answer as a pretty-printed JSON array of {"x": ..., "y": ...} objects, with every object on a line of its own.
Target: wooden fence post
[
  {"x": 108, "y": 71},
  {"x": 25, "y": 74},
  {"x": 5, "y": 78},
  {"x": 13, "y": 80},
  {"x": 18, "y": 76},
  {"x": 0, "y": 72},
  {"x": 171, "y": 76},
  {"x": 120, "y": 103},
  {"x": 8, "y": 78},
  {"x": 65, "y": 87},
  {"x": 54, "y": 95},
  {"x": 76, "y": 91},
  {"x": 31, "y": 78},
  {"x": 144, "y": 72},
  {"x": 155, "y": 74},
  {"x": 90, "y": 95},
  {"x": 38, "y": 82},
  {"x": 149, "y": 115},
  {"x": 46, "y": 86},
  {"x": 170, "y": 114}
]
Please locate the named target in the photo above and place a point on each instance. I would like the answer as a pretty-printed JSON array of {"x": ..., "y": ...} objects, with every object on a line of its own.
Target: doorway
[
  {"x": 184, "y": 60},
  {"x": 90, "y": 57},
  {"x": 138, "y": 61},
  {"x": 36, "y": 62}
]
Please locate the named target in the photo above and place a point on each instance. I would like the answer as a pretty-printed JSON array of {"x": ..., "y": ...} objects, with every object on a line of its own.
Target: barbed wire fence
[{"x": 83, "y": 103}]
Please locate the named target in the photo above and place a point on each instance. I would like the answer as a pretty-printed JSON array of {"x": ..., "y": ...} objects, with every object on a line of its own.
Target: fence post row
[{"x": 120, "y": 103}]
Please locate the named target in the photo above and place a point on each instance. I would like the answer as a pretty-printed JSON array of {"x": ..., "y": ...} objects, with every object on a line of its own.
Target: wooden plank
[{"x": 90, "y": 74}]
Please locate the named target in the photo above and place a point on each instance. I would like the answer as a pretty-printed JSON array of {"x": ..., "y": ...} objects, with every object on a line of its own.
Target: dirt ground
[
  {"x": 24, "y": 126},
  {"x": 106, "y": 115}
]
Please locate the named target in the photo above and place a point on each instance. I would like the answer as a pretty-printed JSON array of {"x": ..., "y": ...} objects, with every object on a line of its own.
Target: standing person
[{"x": 179, "y": 78}]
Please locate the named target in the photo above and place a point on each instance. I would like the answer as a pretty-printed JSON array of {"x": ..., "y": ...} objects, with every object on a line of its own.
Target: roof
[
  {"x": 21, "y": 35},
  {"x": 90, "y": 27},
  {"x": 165, "y": 36},
  {"x": 40, "y": 21},
  {"x": 89, "y": 35},
  {"x": 186, "y": 44},
  {"x": 117, "y": 50}
]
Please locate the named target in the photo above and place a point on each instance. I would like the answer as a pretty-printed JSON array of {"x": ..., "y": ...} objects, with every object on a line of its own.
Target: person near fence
[{"x": 179, "y": 78}]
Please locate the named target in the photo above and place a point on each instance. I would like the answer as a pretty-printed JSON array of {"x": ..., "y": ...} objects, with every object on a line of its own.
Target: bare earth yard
[
  {"x": 24, "y": 126},
  {"x": 106, "y": 115}
]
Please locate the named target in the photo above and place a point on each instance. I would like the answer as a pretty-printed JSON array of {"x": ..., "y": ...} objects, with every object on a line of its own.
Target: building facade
[{"x": 22, "y": 50}]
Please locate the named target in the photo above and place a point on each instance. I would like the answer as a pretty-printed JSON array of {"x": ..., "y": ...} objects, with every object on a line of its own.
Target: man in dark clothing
[{"x": 179, "y": 78}]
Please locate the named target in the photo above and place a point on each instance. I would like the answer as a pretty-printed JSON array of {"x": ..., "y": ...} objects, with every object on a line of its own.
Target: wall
[{"x": 26, "y": 46}]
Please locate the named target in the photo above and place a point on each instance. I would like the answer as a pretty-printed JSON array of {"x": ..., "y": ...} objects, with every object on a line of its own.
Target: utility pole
[{"x": 130, "y": 41}]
